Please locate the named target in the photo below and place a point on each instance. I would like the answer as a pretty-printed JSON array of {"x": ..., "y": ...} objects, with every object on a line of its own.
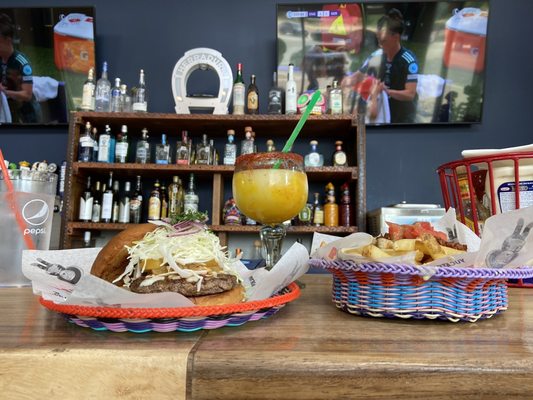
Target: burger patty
[{"x": 210, "y": 285}]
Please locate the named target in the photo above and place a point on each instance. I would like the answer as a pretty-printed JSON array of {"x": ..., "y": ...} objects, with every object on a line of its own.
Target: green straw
[{"x": 301, "y": 122}]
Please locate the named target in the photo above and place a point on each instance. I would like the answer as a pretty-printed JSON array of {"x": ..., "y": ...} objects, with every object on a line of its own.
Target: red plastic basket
[{"x": 463, "y": 182}]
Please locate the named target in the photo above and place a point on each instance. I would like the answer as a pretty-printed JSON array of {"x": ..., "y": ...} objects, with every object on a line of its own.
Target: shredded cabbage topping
[{"x": 176, "y": 251}]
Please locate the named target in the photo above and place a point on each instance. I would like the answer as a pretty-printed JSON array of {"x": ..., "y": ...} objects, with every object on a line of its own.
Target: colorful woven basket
[
  {"x": 185, "y": 319},
  {"x": 395, "y": 290}
]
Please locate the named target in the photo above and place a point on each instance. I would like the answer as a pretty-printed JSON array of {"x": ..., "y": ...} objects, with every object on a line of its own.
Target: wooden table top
[{"x": 309, "y": 350}]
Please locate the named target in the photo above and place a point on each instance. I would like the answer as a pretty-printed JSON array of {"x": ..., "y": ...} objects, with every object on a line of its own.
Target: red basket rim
[{"x": 174, "y": 312}]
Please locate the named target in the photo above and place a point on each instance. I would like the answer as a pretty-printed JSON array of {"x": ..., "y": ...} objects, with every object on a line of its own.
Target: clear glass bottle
[
  {"x": 136, "y": 203},
  {"x": 162, "y": 151},
  {"x": 106, "y": 146},
  {"x": 125, "y": 99},
  {"x": 214, "y": 152},
  {"x": 291, "y": 95},
  {"x": 304, "y": 217},
  {"x": 183, "y": 149},
  {"x": 335, "y": 99},
  {"x": 270, "y": 146},
  {"x": 191, "y": 198},
  {"x": 86, "y": 145},
  {"x": 339, "y": 156},
  {"x": 96, "y": 146},
  {"x": 154, "y": 203},
  {"x": 164, "y": 201},
  {"x": 175, "y": 198},
  {"x": 247, "y": 145},
  {"x": 239, "y": 90},
  {"x": 122, "y": 146},
  {"x": 103, "y": 91},
  {"x": 116, "y": 105},
  {"x": 314, "y": 158},
  {"x": 140, "y": 101},
  {"x": 230, "y": 149},
  {"x": 107, "y": 200},
  {"x": 86, "y": 202},
  {"x": 142, "y": 152},
  {"x": 203, "y": 152},
  {"x": 252, "y": 97},
  {"x": 125, "y": 204},
  {"x": 275, "y": 97},
  {"x": 116, "y": 202},
  {"x": 318, "y": 211},
  {"x": 97, "y": 206},
  {"x": 88, "y": 99}
]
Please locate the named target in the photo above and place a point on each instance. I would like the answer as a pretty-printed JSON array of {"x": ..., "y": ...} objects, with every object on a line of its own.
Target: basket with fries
[{"x": 420, "y": 277}]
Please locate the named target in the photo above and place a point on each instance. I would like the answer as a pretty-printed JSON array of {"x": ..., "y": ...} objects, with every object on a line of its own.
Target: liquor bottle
[
  {"x": 304, "y": 217},
  {"x": 121, "y": 147},
  {"x": 275, "y": 97},
  {"x": 314, "y": 158},
  {"x": 86, "y": 145},
  {"x": 335, "y": 99},
  {"x": 230, "y": 149},
  {"x": 247, "y": 145},
  {"x": 97, "y": 207},
  {"x": 175, "y": 198},
  {"x": 215, "y": 158},
  {"x": 270, "y": 146},
  {"x": 136, "y": 203},
  {"x": 125, "y": 99},
  {"x": 125, "y": 204},
  {"x": 345, "y": 207},
  {"x": 252, "y": 97},
  {"x": 339, "y": 156},
  {"x": 96, "y": 146},
  {"x": 238, "y": 92},
  {"x": 290, "y": 92},
  {"x": 203, "y": 152},
  {"x": 116, "y": 202},
  {"x": 318, "y": 211},
  {"x": 191, "y": 199},
  {"x": 162, "y": 151},
  {"x": 103, "y": 92},
  {"x": 107, "y": 200},
  {"x": 87, "y": 98},
  {"x": 183, "y": 149},
  {"x": 164, "y": 201},
  {"x": 87, "y": 239},
  {"x": 142, "y": 153},
  {"x": 154, "y": 203},
  {"x": 331, "y": 208},
  {"x": 86, "y": 202},
  {"x": 327, "y": 98},
  {"x": 140, "y": 101},
  {"x": 104, "y": 146},
  {"x": 115, "y": 97}
]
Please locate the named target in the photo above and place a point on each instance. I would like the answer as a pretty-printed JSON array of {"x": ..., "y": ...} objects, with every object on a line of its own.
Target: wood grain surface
[{"x": 309, "y": 350}]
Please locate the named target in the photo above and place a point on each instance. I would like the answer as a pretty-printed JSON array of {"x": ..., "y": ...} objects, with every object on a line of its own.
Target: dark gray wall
[{"x": 401, "y": 161}]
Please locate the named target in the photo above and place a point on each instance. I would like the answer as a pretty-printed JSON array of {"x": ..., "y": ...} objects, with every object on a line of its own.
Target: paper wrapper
[
  {"x": 63, "y": 276},
  {"x": 506, "y": 243}
]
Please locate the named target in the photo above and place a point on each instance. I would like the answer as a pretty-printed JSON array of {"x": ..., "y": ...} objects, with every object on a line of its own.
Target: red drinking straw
[{"x": 13, "y": 204}]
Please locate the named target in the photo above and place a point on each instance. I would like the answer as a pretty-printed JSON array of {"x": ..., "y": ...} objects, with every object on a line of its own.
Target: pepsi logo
[{"x": 35, "y": 212}]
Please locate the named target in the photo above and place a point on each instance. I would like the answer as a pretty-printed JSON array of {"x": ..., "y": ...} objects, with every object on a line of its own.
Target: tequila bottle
[
  {"x": 191, "y": 199},
  {"x": 122, "y": 145},
  {"x": 125, "y": 98},
  {"x": 290, "y": 92},
  {"x": 275, "y": 96},
  {"x": 230, "y": 149},
  {"x": 203, "y": 152},
  {"x": 270, "y": 146},
  {"x": 136, "y": 203},
  {"x": 314, "y": 158},
  {"x": 96, "y": 144},
  {"x": 154, "y": 203},
  {"x": 345, "y": 207},
  {"x": 142, "y": 153},
  {"x": 175, "y": 198},
  {"x": 86, "y": 145},
  {"x": 252, "y": 97},
  {"x": 140, "y": 102},
  {"x": 116, "y": 202},
  {"x": 162, "y": 151},
  {"x": 115, "y": 97},
  {"x": 87, "y": 98},
  {"x": 86, "y": 202},
  {"x": 247, "y": 145},
  {"x": 183, "y": 150},
  {"x": 331, "y": 208},
  {"x": 318, "y": 211},
  {"x": 238, "y": 92},
  {"x": 339, "y": 156},
  {"x": 125, "y": 205},
  {"x": 107, "y": 200},
  {"x": 335, "y": 99},
  {"x": 97, "y": 206},
  {"x": 164, "y": 201},
  {"x": 103, "y": 91}
]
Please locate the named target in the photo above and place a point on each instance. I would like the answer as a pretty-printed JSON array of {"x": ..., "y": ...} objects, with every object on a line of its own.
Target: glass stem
[{"x": 272, "y": 239}]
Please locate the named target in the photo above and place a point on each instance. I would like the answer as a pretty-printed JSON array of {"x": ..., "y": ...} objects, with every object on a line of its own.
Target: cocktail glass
[{"x": 270, "y": 188}]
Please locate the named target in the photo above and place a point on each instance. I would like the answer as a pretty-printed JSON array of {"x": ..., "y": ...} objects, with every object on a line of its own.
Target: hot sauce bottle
[{"x": 331, "y": 209}]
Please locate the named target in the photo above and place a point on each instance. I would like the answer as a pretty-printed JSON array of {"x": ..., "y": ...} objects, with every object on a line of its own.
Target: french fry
[
  {"x": 433, "y": 248},
  {"x": 449, "y": 251},
  {"x": 383, "y": 243},
  {"x": 404, "y": 245},
  {"x": 372, "y": 251}
]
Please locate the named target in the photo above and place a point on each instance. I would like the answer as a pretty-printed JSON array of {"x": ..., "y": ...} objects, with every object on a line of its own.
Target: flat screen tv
[
  {"x": 405, "y": 63},
  {"x": 45, "y": 56}
]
